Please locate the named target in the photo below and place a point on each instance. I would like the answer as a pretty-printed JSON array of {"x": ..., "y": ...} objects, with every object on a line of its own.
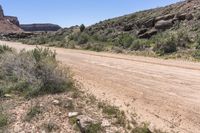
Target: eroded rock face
[
  {"x": 12, "y": 19},
  {"x": 40, "y": 27},
  {"x": 8, "y": 24}
]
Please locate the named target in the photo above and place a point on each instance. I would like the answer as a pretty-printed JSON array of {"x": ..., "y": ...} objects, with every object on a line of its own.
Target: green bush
[
  {"x": 82, "y": 27},
  {"x": 83, "y": 38},
  {"x": 32, "y": 112},
  {"x": 196, "y": 54},
  {"x": 165, "y": 45},
  {"x": 4, "y": 48},
  {"x": 3, "y": 120},
  {"x": 33, "y": 73},
  {"x": 93, "y": 128},
  {"x": 125, "y": 41},
  {"x": 139, "y": 44},
  {"x": 143, "y": 129}
]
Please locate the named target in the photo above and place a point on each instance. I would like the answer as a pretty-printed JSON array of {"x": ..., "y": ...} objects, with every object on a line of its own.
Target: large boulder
[{"x": 164, "y": 24}]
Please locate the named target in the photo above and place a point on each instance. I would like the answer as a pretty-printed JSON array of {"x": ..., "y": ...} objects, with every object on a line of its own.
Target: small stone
[
  {"x": 72, "y": 114},
  {"x": 8, "y": 95},
  {"x": 105, "y": 123},
  {"x": 56, "y": 102},
  {"x": 83, "y": 121}
]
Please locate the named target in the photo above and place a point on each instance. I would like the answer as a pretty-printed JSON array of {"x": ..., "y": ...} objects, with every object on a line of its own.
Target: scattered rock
[
  {"x": 72, "y": 114},
  {"x": 56, "y": 102},
  {"x": 8, "y": 96},
  {"x": 84, "y": 121},
  {"x": 105, "y": 123}
]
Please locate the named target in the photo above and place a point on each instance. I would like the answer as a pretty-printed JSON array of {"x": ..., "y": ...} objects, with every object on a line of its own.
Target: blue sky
[{"x": 75, "y": 12}]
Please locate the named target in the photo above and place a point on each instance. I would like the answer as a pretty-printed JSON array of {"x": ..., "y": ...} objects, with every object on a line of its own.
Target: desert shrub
[
  {"x": 97, "y": 47},
  {"x": 165, "y": 45},
  {"x": 142, "y": 129},
  {"x": 196, "y": 54},
  {"x": 33, "y": 73},
  {"x": 125, "y": 41},
  {"x": 32, "y": 112},
  {"x": 3, "y": 120},
  {"x": 139, "y": 44},
  {"x": 4, "y": 48},
  {"x": 83, "y": 38},
  {"x": 82, "y": 27},
  {"x": 182, "y": 39},
  {"x": 117, "y": 49},
  {"x": 93, "y": 128},
  {"x": 51, "y": 126},
  {"x": 198, "y": 43}
]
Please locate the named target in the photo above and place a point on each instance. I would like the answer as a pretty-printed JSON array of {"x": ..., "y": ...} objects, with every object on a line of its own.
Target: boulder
[
  {"x": 164, "y": 24},
  {"x": 181, "y": 17},
  {"x": 149, "y": 23},
  {"x": 164, "y": 17}
]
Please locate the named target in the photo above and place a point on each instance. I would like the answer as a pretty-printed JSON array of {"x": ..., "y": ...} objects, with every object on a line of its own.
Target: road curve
[{"x": 165, "y": 93}]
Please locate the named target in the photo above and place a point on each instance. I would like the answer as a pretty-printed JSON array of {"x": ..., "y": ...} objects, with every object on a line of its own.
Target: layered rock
[
  {"x": 8, "y": 24},
  {"x": 40, "y": 27}
]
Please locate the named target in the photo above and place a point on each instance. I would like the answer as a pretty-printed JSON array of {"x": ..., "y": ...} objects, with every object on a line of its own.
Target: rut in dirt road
[{"x": 163, "y": 92}]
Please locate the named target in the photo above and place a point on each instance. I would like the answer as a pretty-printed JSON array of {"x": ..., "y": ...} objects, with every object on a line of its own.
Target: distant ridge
[{"x": 40, "y": 27}]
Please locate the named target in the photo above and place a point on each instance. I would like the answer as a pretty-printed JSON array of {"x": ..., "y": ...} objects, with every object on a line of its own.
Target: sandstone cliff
[{"x": 8, "y": 24}]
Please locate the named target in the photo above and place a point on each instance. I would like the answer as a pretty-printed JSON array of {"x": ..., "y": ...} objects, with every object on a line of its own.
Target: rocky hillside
[
  {"x": 8, "y": 24},
  {"x": 40, "y": 27},
  {"x": 147, "y": 23},
  {"x": 172, "y": 31}
]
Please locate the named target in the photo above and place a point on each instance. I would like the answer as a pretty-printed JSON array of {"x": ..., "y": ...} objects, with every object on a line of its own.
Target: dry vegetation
[{"x": 39, "y": 95}]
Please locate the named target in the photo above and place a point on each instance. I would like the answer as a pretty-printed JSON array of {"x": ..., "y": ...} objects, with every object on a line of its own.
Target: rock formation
[{"x": 8, "y": 24}]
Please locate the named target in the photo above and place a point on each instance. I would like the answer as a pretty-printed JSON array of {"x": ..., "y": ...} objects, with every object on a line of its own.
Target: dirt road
[{"x": 165, "y": 93}]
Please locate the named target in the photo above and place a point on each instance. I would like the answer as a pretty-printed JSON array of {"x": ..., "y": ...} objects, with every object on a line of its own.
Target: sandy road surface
[{"x": 163, "y": 92}]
